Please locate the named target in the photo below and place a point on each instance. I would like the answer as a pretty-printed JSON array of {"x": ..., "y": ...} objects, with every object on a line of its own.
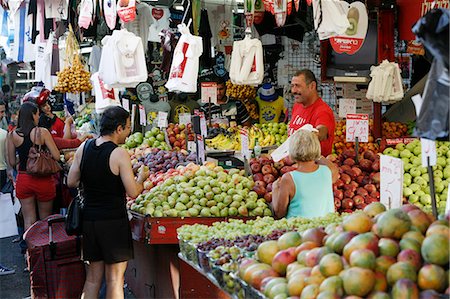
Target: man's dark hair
[
  {"x": 6, "y": 88},
  {"x": 112, "y": 118},
  {"x": 2, "y": 103},
  {"x": 308, "y": 74}
]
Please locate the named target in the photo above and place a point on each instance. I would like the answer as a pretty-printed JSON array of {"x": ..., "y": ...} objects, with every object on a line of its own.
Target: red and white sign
[
  {"x": 357, "y": 125},
  {"x": 391, "y": 181},
  {"x": 244, "y": 144},
  {"x": 157, "y": 13},
  {"x": 354, "y": 37},
  {"x": 126, "y": 9}
]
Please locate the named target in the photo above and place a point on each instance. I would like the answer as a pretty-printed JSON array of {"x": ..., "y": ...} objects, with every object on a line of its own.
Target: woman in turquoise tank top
[{"x": 308, "y": 190}]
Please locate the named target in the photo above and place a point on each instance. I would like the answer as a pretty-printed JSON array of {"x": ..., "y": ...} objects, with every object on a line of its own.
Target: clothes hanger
[{"x": 186, "y": 11}]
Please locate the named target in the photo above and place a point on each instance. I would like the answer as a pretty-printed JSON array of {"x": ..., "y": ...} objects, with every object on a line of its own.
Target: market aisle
[{"x": 17, "y": 285}]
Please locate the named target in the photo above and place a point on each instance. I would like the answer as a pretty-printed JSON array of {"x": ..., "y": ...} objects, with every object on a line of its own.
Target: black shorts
[{"x": 109, "y": 241}]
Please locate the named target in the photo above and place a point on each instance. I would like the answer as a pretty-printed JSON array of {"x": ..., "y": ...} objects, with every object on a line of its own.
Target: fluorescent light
[{"x": 178, "y": 7}]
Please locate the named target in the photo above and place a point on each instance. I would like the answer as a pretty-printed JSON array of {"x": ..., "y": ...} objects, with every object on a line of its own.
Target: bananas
[{"x": 267, "y": 135}]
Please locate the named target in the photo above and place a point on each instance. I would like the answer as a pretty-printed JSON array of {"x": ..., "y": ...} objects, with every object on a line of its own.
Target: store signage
[
  {"x": 410, "y": 11},
  {"x": 395, "y": 141},
  {"x": 429, "y": 156},
  {"x": 209, "y": 92},
  {"x": 126, "y": 9},
  {"x": 357, "y": 125},
  {"x": 126, "y": 104},
  {"x": 353, "y": 39},
  {"x": 142, "y": 117},
  {"x": 185, "y": 118},
  {"x": 391, "y": 181},
  {"x": 347, "y": 106},
  {"x": 162, "y": 119}
]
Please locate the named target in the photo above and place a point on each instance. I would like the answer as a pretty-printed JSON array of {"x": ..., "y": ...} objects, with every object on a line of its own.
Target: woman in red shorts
[{"x": 31, "y": 189}]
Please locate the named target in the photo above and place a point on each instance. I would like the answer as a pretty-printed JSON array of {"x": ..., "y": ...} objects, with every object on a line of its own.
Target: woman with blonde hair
[{"x": 308, "y": 190}]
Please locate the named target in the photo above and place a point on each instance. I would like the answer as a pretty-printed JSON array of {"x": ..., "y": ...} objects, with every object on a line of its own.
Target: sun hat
[{"x": 267, "y": 92}]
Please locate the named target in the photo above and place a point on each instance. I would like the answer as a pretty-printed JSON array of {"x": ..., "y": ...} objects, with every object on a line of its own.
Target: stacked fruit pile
[
  {"x": 154, "y": 138},
  {"x": 205, "y": 191},
  {"x": 176, "y": 134},
  {"x": 159, "y": 160},
  {"x": 400, "y": 253},
  {"x": 416, "y": 186},
  {"x": 246, "y": 94},
  {"x": 265, "y": 171},
  {"x": 389, "y": 130},
  {"x": 359, "y": 183}
]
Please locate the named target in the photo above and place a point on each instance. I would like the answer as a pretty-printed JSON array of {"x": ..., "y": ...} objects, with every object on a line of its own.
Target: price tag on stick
[
  {"x": 162, "y": 119},
  {"x": 357, "y": 125},
  {"x": 347, "y": 106},
  {"x": 126, "y": 104},
  {"x": 209, "y": 92},
  {"x": 142, "y": 117},
  {"x": 244, "y": 144},
  {"x": 428, "y": 151},
  {"x": 185, "y": 118},
  {"x": 391, "y": 181}
]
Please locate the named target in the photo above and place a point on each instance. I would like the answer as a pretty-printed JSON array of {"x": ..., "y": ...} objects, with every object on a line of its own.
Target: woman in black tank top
[
  {"x": 29, "y": 189},
  {"x": 106, "y": 175}
]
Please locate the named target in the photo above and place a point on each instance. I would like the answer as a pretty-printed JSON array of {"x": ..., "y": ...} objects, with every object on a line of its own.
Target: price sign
[
  {"x": 185, "y": 118},
  {"x": 391, "y": 181},
  {"x": 133, "y": 116},
  {"x": 201, "y": 149},
  {"x": 162, "y": 119},
  {"x": 126, "y": 104},
  {"x": 347, "y": 106},
  {"x": 244, "y": 144},
  {"x": 142, "y": 117},
  {"x": 357, "y": 125},
  {"x": 209, "y": 92},
  {"x": 192, "y": 147},
  {"x": 447, "y": 204},
  {"x": 428, "y": 151}
]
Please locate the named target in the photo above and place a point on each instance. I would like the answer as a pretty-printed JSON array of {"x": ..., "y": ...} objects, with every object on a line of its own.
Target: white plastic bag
[
  {"x": 105, "y": 96},
  {"x": 8, "y": 224}
]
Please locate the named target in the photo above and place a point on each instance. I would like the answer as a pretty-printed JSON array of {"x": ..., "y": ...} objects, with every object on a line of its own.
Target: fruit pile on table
[{"x": 416, "y": 187}]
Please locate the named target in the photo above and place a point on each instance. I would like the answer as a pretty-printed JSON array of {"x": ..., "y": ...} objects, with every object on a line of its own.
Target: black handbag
[{"x": 74, "y": 218}]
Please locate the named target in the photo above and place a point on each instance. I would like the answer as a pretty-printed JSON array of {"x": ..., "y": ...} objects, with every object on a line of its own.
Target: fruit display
[
  {"x": 203, "y": 191},
  {"x": 154, "y": 138},
  {"x": 176, "y": 135},
  {"x": 400, "y": 253},
  {"x": 74, "y": 79},
  {"x": 359, "y": 183},
  {"x": 269, "y": 134},
  {"x": 416, "y": 187},
  {"x": 389, "y": 130},
  {"x": 265, "y": 171},
  {"x": 245, "y": 94},
  {"x": 82, "y": 119},
  {"x": 159, "y": 160}
]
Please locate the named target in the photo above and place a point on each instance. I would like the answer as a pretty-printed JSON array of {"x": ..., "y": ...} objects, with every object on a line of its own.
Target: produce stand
[{"x": 154, "y": 271}]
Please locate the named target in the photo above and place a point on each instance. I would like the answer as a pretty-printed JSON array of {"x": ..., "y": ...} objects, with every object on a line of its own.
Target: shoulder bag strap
[{"x": 84, "y": 151}]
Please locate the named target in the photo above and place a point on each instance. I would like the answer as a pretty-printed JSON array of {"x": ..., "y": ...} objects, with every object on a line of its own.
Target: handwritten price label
[
  {"x": 162, "y": 119},
  {"x": 185, "y": 118},
  {"x": 347, "y": 106},
  {"x": 209, "y": 92},
  {"x": 244, "y": 144},
  {"x": 391, "y": 181},
  {"x": 357, "y": 125},
  {"x": 428, "y": 151}
]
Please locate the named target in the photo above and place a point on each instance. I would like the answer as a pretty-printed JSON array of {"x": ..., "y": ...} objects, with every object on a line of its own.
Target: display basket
[
  {"x": 203, "y": 260},
  {"x": 239, "y": 290},
  {"x": 216, "y": 271},
  {"x": 251, "y": 292},
  {"x": 188, "y": 250}
]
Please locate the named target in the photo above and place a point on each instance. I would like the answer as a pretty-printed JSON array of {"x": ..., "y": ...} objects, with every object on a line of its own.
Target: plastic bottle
[{"x": 257, "y": 149}]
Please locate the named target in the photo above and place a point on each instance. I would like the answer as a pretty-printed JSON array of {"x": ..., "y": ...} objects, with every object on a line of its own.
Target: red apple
[
  {"x": 375, "y": 194},
  {"x": 269, "y": 178},
  {"x": 269, "y": 187},
  {"x": 346, "y": 178},
  {"x": 349, "y": 162},
  {"x": 370, "y": 188},
  {"x": 266, "y": 169},
  {"x": 260, "y": 190},
  {"x": 256, "y": 167},
  {"x": 361, "y": 191},
  {"x": 258, "y": 177},
  {"x": 268, "y": 197},
  {"x": 261, "y": 184},
  {"x": 339, "y": 183},
  {"x": 369, "y": 155},
  {"x": 358, "y": 199},
  {"x": 337, "y": 203},
  {"x": 347, "y": 203},
  {"x": 376, "y": 166},
  {"x": 349, "y": 193},
  {"x": 338, "y": 194}
]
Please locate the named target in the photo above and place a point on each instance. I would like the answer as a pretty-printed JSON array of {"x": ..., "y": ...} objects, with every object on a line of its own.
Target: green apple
[
  {"x": 407, "y": 191},
  {"x": 417, "y": 150},
  {"x": 407, "y": 180},
  {"x": 414, "y": 187},
  {"x": 426, "y": 177},
  {"x": 439, "y": 187},
  {"x": 413, "y": 198},
  {"x": 419, "y": 193},
  {"x": 423, "y": 169},
  {"x": 415, "y": 172},
  {"x": 407, "y": 166},
  {"x": 400, "y": 146},
  {"x": 405, "y": 154},
  {"x": 405, "y": 160},
  {"x": 388, "y": 151},
  {"x": 441, "y": 161},
  {"x": 410, "y": 146},
  {"x": 425, "y": 199},
  {"x": 416, "y": 161},
  {"x": 395, "y": 153},
  {"x": 438, "y": 173}
]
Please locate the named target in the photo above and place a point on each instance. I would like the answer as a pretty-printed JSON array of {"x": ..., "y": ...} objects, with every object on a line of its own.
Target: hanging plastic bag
[
  {"x": 126, "y": 9},
  {"x": 105, "y": 96},
  {"x": 433, "y": 121},
  {"x": 86, "y": 13},
  {"x": 110, "y": 11}
]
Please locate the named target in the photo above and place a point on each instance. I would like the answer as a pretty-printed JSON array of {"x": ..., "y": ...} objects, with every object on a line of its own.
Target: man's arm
[{"x": 323, "y": 132}]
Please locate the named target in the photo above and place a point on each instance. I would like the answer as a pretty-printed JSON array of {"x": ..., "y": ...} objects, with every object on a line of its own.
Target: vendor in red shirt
[{"x": 309, "y": 108}]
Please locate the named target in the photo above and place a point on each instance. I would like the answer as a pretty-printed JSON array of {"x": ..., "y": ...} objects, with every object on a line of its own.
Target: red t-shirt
[
  {"x": 318, "y": 113},
  {"x": 57, "y": 128}
]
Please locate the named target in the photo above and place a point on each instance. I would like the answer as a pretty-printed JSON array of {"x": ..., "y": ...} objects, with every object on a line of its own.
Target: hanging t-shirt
[
  {"x": 56, "y": 9},
  {"x": 44, "y": 62},
  {"x": 159, "y": 20},
  {"x": 152, "y": 109},
  {"x": 23, "y": 49},
  {"x": 205, "y": 32},
  {"x": 270, "y": 111},
  {"x": 179, "y": 107},
  {"x": 140, "y": 25},
  {"x": 317, "y": 114},
  {"x": 94, "y": 59},
  {"x": 185, "y": 64}
]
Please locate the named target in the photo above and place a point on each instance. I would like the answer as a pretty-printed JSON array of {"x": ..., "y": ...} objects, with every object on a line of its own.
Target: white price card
[
  {"x": 428, "y": 151},
  {"x": 209, "y": 92},
  {"x": 347, "y": 106},
  {"x": 162, "y": 119},
  {"x": 142, "y": 116},
  {"x": 192, "y": 147},
  {"x": 391, "y": 181},
  {"x": 357, "y": 125},
  {"x": 201, "y": 149},
  {"x": 282, "y": 151},
  {"x": 185, "y": 118},
  {"x": 447, "y": 203},
  {"x": 126, "y": 104},
  {"x": 133, "y": 116},
  {"x": 244, "y": 144}
]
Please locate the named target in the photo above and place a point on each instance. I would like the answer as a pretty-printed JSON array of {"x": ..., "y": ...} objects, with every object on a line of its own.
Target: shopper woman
[
  {"x": 31, "y": 189},
  {"x": 106, "y": 177},
  {"x": 308, "y": 190}
]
